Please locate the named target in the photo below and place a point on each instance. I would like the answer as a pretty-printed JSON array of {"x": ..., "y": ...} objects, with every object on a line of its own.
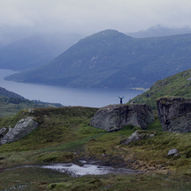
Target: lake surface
[{"x": 65, "y": 96}]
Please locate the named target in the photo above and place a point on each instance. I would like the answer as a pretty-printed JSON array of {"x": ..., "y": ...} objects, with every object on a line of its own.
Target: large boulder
[
  {"x": 115, "y": 117},
  {"x": 21, "y": 129},
  {"x": 175, "y": 114}
]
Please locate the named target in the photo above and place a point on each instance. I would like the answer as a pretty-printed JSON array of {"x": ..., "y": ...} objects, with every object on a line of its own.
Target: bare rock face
[
  {"x": 21, "y": 129},
  {"x": 3, "y": 132},
  {"x": 115, "y": 117},
  {"x": 175, "y": 114}
]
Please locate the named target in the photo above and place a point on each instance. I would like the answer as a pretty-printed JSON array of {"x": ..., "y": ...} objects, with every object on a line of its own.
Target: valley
[{"x": 91, "y": 142}]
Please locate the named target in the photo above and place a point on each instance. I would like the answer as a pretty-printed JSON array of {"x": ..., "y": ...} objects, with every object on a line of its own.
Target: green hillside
[
  {"x": 64, "y": 135},
  {"x": 11, "y": 103},
  {"x": 176, "y": 85},
  {"x": 110, "y": 59}
]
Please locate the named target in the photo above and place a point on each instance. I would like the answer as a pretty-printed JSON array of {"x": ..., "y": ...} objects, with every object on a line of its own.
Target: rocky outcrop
[
  {"x": 3, "y": 132},
  {"x": 175, "y": 114},
  {"x": 138, "y": 136},
  {"x": 115, "y": 117},
  {"x": 21, "y": 129},
  {"x": 173, "y": 152}
]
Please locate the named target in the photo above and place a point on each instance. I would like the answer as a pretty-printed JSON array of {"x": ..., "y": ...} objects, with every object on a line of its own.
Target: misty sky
[{"x": 88, "y": 16}]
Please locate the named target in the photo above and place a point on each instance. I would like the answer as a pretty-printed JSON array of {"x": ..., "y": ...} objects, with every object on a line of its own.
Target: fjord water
[{"x": 65, "y": 96}]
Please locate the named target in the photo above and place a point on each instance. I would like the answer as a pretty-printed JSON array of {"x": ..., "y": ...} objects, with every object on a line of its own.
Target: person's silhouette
[{"x": 121, "y": 100}]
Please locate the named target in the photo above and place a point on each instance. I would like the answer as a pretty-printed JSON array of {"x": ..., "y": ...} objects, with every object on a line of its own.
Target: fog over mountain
[
  {"x": 35, "y": 33},
  {"x": 10, "y": 34},
  {"x": 88, "y": 17},
  {"x": 159, "y": 30},
  {"x": 26, "y": 51},
  {"x": 61, "y": 23}
]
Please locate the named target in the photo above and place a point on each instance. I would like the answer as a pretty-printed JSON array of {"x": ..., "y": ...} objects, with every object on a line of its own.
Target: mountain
[
  {"x": 33, "y": 51},
  {"x": 10, "y": 34},
  {"x": 11, "y": 103},
  {"x": 110, "y": 59},
  {"x": 158, "y": 30},
  {"x": 9, "y": 94},
  {"x": 176, "y": 85}
]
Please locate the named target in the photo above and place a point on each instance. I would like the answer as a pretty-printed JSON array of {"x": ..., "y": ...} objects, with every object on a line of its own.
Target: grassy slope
[
  {"x": 65, "y": 136},
  {"x": 38, "y": 179},
  {"x": 177, "y": 85}
]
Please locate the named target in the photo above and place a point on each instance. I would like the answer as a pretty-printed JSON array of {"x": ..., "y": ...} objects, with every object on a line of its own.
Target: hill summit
[
  {"x": 178, "y": 85},
  {"x": 110, "y": 59}
]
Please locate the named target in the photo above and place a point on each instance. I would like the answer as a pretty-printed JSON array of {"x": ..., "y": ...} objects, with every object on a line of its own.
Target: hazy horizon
[{"x": 89, "y": 16}]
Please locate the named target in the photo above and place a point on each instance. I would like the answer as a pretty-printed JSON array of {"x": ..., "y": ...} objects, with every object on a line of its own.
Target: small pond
[{"x": 84, "y": 168}]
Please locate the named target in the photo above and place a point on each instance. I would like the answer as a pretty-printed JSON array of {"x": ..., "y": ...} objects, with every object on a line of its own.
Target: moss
[
  {"x": 81, "y": 184},
  {"x": 35, "y": 179},
  {"x": 48, "y": 157},
  {"x": 29, "y": 179},
  {"x": 124, "y": 183}
]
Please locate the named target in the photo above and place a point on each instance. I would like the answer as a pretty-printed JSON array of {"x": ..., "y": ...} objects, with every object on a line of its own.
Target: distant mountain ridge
[
  {"x": 159, "y": 31},
  {"x": 9, "y": 94},
  {"x": 110, "y": 59},
  {"x": 34, "y": 51}
]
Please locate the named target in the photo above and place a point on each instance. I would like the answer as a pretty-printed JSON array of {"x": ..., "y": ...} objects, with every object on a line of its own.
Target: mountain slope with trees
[{"x": 110, "y": 59}]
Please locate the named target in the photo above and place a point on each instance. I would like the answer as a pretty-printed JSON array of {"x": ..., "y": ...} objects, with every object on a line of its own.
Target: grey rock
[
  {"x": 175, "y": 114},
  {"x": 21, "y": 129},
  {"x": 3, "y": 132},
  {"x": 173, "y": 152},
  {"x": 138, "y": 135},
  {"x": 115, "y": 117}
]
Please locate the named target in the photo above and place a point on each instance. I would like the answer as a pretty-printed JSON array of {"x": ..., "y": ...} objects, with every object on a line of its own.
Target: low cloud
[{"x": 86, "y": 16}]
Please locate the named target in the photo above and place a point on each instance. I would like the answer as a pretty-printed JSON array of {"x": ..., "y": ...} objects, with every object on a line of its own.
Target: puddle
[
  {"x": 88, "y": 169},
  {"x": 84, "y": 169}
]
